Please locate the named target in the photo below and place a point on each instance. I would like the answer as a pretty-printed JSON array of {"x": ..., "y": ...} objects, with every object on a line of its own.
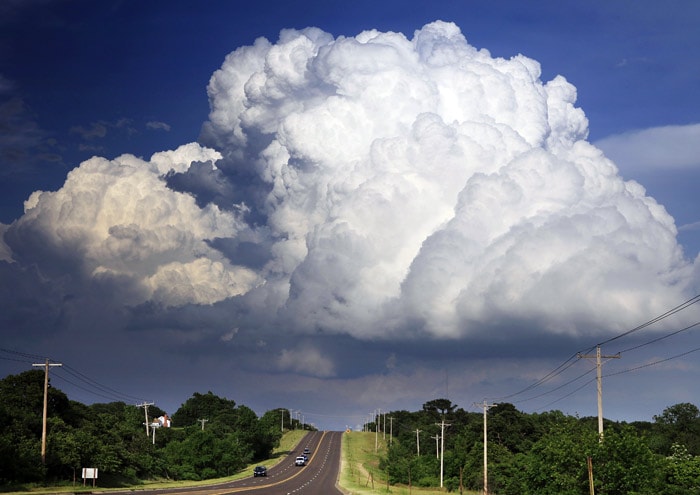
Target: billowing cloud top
[{"x": 386, "y": 186}]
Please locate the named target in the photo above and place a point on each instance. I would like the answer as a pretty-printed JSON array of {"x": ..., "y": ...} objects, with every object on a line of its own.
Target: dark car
[{"x": 260, "y": 471}]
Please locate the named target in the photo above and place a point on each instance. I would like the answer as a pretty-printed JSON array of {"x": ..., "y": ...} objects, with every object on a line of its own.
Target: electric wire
[
  {"x": 653, "y": 363},
  {"x": 658, "y": 339},
  {"x": 100, "y": 387},
  {"x": 64, "y": 379},
  {"x": 96, "y": 388},
  {"x": 570, "y": 361},
  {"x": 30, "y": 357},
  {"x": 557, "y": 388},
  {"x": 584, "y": 385},
  {"x": 668, "y": 313}
]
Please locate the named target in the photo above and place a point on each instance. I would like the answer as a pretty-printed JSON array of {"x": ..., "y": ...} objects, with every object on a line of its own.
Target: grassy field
[{"x": 359, "y": 468}]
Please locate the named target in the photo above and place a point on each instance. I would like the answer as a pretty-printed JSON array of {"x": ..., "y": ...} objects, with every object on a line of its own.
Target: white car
[{"x": 300, "y": 461}]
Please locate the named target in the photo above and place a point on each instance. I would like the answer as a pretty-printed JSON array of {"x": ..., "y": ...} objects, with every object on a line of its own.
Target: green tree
[
  {"x": 683, "y": 470},
  {"x": 439, "y": 406},
  {"x": 205, "y": 406},
  {"x": 678, "y": 424},
  {"x": 557, "y": 462},
  {"x": 623, "y": 463}
]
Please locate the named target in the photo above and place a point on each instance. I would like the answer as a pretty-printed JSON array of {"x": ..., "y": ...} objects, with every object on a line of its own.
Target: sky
[{"x": 341, "y": 208}]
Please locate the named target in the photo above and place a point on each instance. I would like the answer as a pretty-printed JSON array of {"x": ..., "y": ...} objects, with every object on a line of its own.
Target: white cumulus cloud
[
  {"x": 386, "y": 186},
  {"x": 421, "y": 183},
  {"x": 116, "y": 220}
]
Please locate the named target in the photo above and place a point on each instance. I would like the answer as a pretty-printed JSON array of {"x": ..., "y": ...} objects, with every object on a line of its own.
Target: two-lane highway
[
  {"x": 318, "y": 477},
  {"x": 320, "y": 474}
]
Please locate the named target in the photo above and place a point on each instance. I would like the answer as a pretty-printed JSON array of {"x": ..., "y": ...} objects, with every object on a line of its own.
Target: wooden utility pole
[
  {"x": 145, "y": 411},
  {"x": 599, "y": 377},
  {"x": 391, "y": 429},
  {"x": 377, "y": 416},
  {"x": 442, "y": 425},
  {"x": 486, "y": 462},
  {"x": 46, "y": 365}
]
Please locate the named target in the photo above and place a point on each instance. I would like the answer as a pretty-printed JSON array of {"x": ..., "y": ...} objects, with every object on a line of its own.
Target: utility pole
[
  {"x": 599, "y": 377},
  {"x": 203, "y": 421},
  {"x": 46, "y": 365},
  {"x": 486, "y": 464},
  {"x": 437, "y": 446},
  {"x": 154, "y": 427},
  {"x": 442, "y": 425},
  {"x": 384, "y": 428},
  {"x": 391, "y": 429},
  {"x": 145, "y": 411},
  {"x": 376, "y": 429},
  {"x": 418, "y": 442}
]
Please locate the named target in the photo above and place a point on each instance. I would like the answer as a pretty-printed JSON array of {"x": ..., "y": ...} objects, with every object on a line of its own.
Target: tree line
[
  {"x": 210, "y": 437},
  {"x": 540, "y": 453},
  {"x": 543, "y": 453}
]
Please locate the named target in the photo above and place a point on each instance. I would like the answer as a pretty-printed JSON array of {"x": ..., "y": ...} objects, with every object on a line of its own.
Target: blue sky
[{"x": 385, "y": 267}]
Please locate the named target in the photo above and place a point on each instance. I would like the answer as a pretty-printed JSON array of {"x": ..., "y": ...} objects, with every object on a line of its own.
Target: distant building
[{"x": 163, "y": 421}]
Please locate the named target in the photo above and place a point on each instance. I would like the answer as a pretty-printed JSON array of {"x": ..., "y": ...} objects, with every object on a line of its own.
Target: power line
[
  {"x": 654, "y": 363},
  {"x": 653, "y": 341},
  {"x": 668, "y": 313},
  {"x": 552, "y": 374},
  {"x": 103, "y": 388},
  {"x": 28, "y": 358},
  {"x": 559, "y": 387},
  {"x": 95, "y": 387},
  {"x": 567, "y": 395},
  {"x": 571, "y": 360}
]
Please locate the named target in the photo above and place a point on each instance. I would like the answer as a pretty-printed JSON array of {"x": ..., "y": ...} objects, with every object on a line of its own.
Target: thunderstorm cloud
[{"x": 376, "y": 186}]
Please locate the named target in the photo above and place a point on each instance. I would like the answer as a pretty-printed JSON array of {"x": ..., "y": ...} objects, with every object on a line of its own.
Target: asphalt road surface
[{"x": 318, "y": 477}]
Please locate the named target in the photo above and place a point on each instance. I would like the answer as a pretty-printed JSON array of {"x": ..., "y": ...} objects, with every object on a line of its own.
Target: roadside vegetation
[
  {"x": 209, "y": 437},
  {"x": 528, "y": 454},
  {"x": 212, "y": 439},
  {"x": 361, "y": 472}
]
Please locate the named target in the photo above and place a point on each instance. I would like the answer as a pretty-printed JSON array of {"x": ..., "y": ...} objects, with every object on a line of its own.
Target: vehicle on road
[
  {"x": 300, "y": 461},
  {"x": 259, "y": 471}
]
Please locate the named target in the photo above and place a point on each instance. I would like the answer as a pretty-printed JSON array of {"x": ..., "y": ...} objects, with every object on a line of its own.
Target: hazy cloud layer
[
  {"x": 662, "y": 148},
  {"x": 374, "y": 186}
]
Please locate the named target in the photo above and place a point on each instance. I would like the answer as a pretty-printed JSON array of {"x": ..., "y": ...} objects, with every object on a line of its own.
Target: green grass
[{"x": 360, "y": 473}]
